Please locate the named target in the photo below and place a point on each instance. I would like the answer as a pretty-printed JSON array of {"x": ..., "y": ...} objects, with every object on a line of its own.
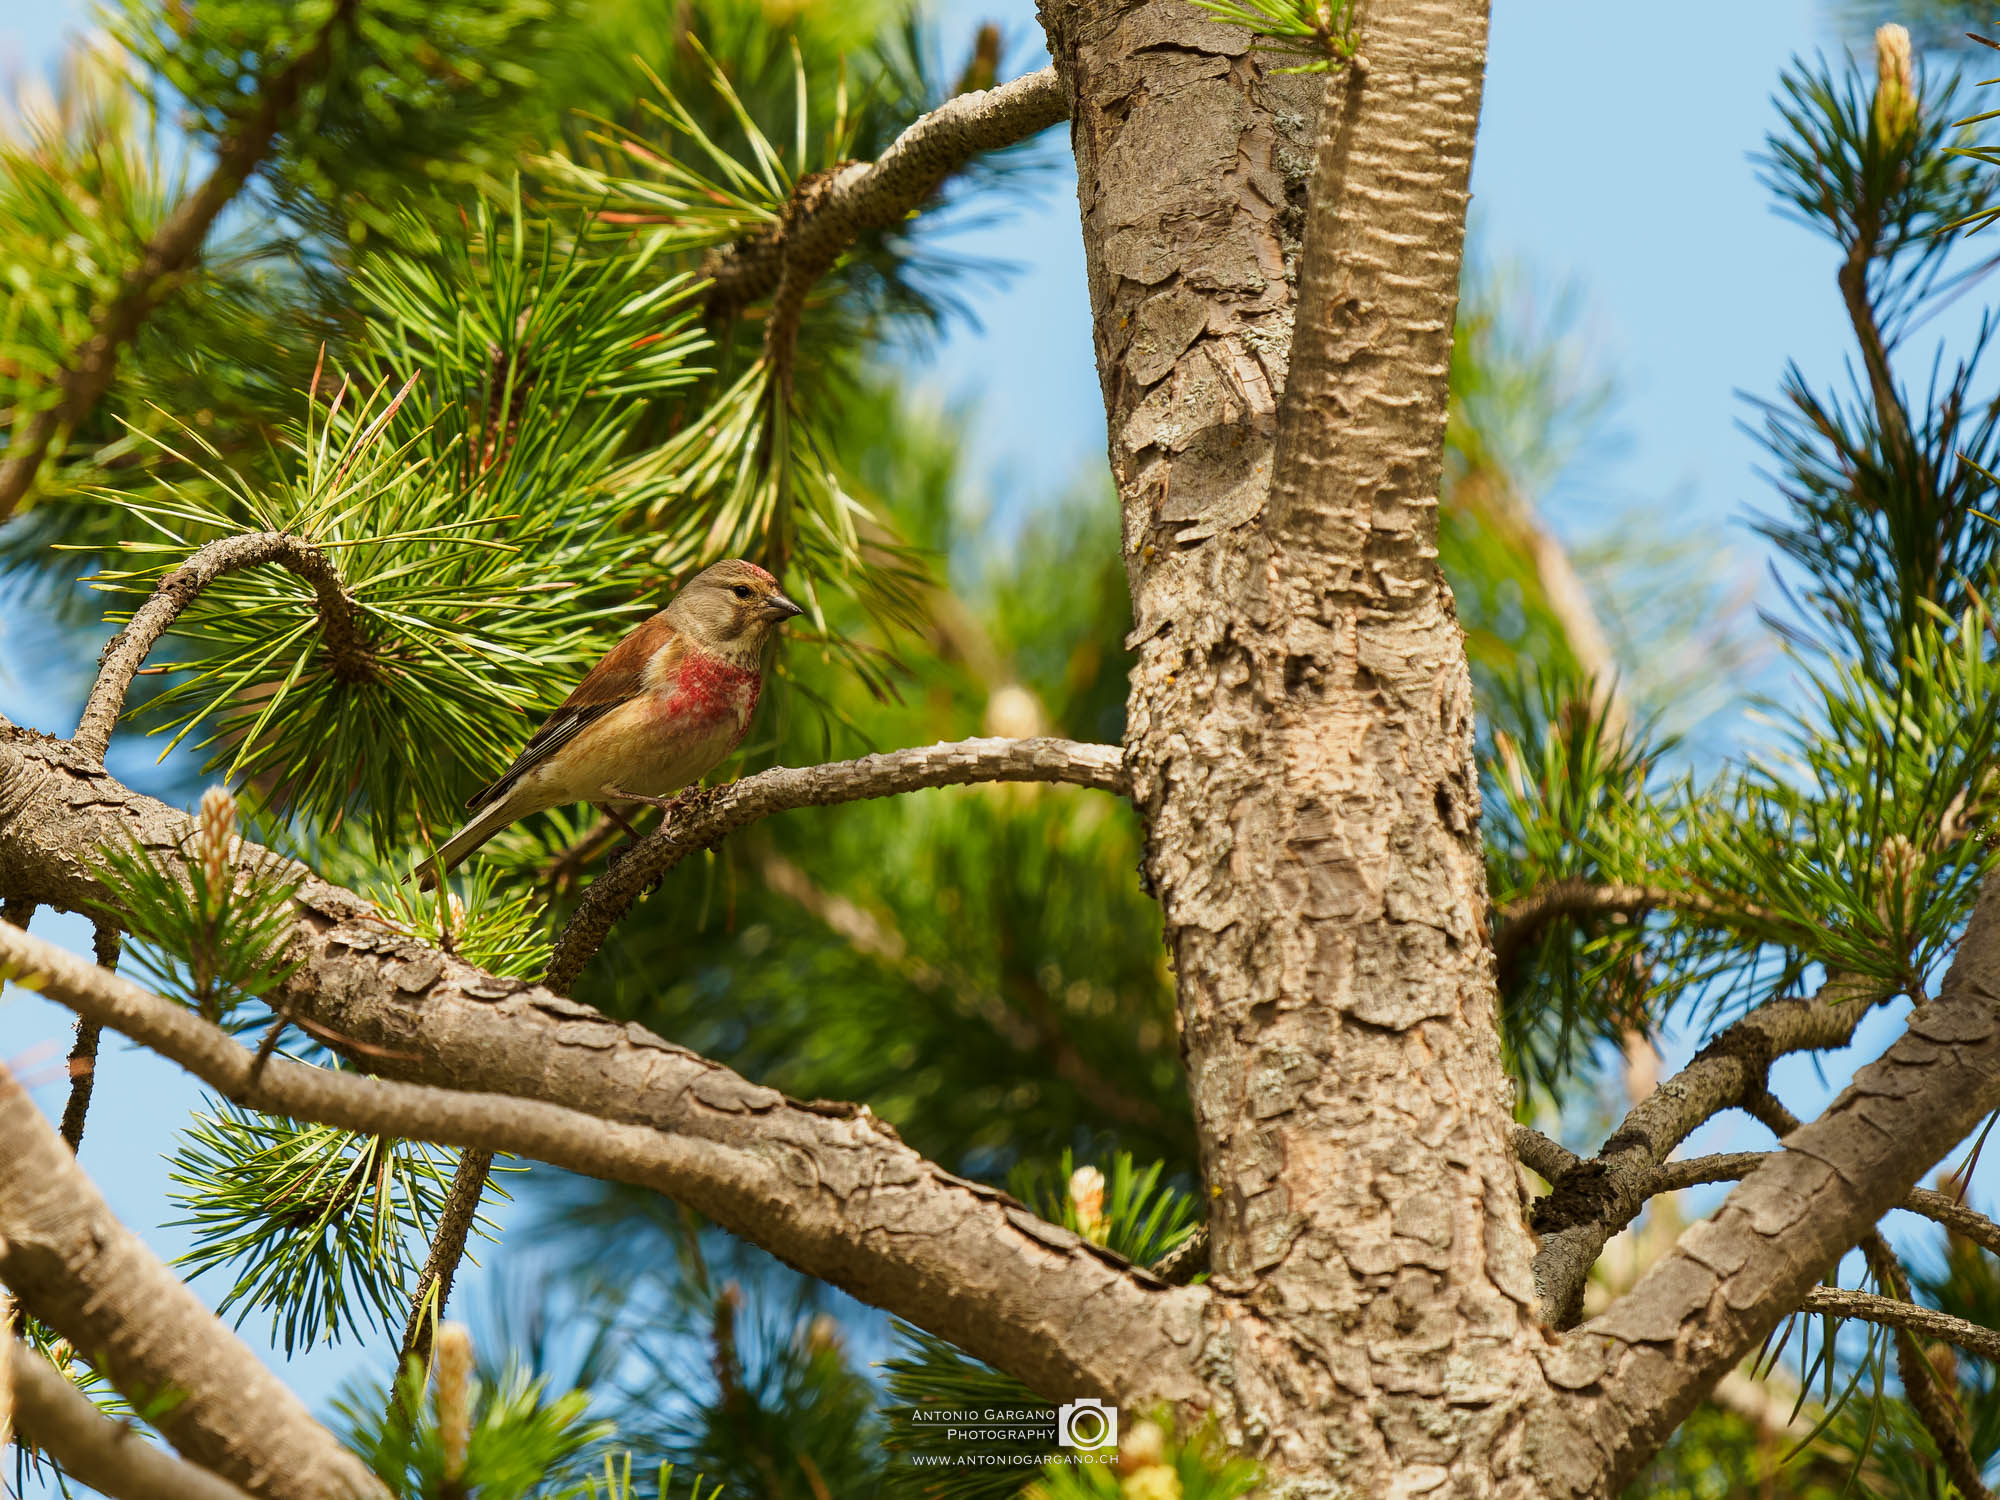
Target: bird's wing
[{"x": 616, "y": 680}]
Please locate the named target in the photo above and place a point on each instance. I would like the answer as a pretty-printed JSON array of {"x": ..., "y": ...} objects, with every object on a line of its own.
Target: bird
[{"x": 663, "y": 708}]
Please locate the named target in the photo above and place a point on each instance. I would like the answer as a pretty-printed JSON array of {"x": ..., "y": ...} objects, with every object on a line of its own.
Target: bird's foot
[{"x": 619, "y": 818}]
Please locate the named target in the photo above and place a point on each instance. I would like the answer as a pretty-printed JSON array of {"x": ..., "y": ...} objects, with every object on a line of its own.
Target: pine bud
[
  {"x": 1143, "y": 1447},
  {"x": 1086, "y": 1192},
  {"x": 1015, "y": 713},
  {"x": 1156, "y": 1483},
  {"x": 1895, "y": 87},
  {"x": 454, "y": 1395},
  {"x": 1899, "y": 875},
  {"x": 216, "y": 842},
  {"x": 823, "y": 1335}
]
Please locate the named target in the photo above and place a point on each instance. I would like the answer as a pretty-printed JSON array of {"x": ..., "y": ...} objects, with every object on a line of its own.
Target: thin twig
[
  {"x": 1521, "y": 920},
  {"x": 831, "y": 209},
  {"x": 1932, "y": 1404},
  {"x": 706, "y": 817},
  {"x": 461, "y": 1209},
  {"x": 346, "y": 648},
  {"x": 1695, "y": 1170},
  {"x": 174, "y": 249},
  {"x": 1891, "y": 1313},
  {"x": 83, "y": 1054}
]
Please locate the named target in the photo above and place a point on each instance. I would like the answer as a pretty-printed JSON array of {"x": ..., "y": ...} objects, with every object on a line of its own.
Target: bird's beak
[{"x": 778, "y": 608}]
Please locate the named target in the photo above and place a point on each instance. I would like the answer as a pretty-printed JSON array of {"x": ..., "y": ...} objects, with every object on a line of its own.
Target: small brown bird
[{"x": 662, "y": 709}]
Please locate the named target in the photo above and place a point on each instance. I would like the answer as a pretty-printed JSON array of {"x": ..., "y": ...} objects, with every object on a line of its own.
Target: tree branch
[
  {"x": 173, "y": 249},
  {"x": 461, "y": 1208},
  {"x": 346, "y": 648},
  {"x": 1693, "y": 1172},
  {"x": 1891, "y": 1313},
  {"x": 829, "y": 211},
  {"x": 1520, "y": 921},
  {"x": 84, "y": 1274},
  {"x": 113, "y": 1458},
  {"x": 1645, "y": 1363},
  {"x": 83, "y": 1053},
  {"x": 1549, "y": 1160},
  {"x": 703, "y": 818},
  {"x": 1593, "y": 1203},
  {"x": 1936, "y": 1410},
  {"x": 827, "y": 1187}
]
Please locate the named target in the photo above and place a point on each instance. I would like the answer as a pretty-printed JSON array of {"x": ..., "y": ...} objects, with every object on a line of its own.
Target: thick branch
[
  {"x": 702, "y": 819},
  {"x": 340, "y": 630},
  {"x": 827, "y": 213},
  {"x": 113, "y": 1458},
  {"x": 1643, "y": 1365},
  {"x": 1592, "y": 1204},
  {"x": 826, "y": 1187},
  {"x": 173, "y": 250},
  {"x": 88, "y": 1277}
]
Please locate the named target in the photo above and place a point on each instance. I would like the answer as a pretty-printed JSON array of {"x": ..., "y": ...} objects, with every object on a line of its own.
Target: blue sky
[{"x": 1613, "y": 155}]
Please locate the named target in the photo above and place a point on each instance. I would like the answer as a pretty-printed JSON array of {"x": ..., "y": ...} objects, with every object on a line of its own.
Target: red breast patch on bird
[{"x": 708, "y": 687}]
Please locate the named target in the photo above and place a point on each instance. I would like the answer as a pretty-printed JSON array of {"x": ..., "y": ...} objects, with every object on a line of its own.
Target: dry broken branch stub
[
  {"x": 701, "y": 819},
  {"x": 341, "y": 638}
]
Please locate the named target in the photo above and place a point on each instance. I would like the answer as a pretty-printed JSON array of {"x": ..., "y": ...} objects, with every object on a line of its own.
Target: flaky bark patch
[{"x": 1300, "y": 723}]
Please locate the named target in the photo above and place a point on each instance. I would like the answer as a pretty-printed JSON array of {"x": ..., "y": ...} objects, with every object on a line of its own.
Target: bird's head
[{"x": 731, "y": 609}]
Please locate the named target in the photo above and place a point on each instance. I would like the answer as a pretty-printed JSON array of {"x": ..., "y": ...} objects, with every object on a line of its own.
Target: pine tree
[{"x": 470, "y": 330}]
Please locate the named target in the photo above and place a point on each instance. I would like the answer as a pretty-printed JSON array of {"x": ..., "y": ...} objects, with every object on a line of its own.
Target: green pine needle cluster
[
  {"x": 1322, "y": 30},
  {"x": 508, "y": 1440},
  {"x": 324, "y": 1228},
  {"x": 217, "y": 942}
]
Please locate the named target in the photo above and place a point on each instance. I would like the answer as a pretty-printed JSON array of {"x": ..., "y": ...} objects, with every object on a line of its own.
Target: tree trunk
[{"x": 1300, "y": 728}]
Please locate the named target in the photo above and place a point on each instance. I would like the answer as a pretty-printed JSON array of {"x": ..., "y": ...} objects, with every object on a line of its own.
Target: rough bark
[
  {"x": 826, "y": 1187},
  {"x": 87, "y": 1276},
  {"x": 1594, "y": 1202},
  {"x": 1639, "y": 1369},
  {"x": 113, "y": 1458},
  {"x": 1300, "y": 722}
]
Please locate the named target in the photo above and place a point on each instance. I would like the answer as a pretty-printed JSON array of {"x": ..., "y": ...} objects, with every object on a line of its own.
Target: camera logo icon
[{"x": 1087, "y": 1425}]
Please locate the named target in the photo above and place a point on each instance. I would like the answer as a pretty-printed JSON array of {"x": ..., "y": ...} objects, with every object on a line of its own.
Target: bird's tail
[{"x": 488, "y": 821}]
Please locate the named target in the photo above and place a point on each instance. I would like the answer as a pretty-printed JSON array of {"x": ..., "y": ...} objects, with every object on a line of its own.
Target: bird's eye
[{"x": 741, "y": 591}]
